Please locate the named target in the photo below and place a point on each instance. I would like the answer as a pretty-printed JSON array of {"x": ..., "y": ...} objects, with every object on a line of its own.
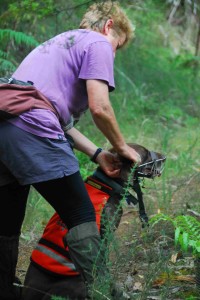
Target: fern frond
[
  {"x": 187, "y": 231},
  {"x": 160, "y": 217},
  {"x": 177, "y": 235},
  {"x": 3, "y": 54},
  {"x": 6, "y": 65},
  {"x": 18, "y": 37},
  {"x": 185, "y": 241},
  {"x": 190, "y": 225}
]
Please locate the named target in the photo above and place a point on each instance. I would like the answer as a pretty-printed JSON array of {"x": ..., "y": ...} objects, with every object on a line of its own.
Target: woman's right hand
[{"x": 130, "y": 154}]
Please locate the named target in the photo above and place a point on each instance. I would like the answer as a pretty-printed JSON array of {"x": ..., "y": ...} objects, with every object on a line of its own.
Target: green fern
[
  {"x": 187, "y": 231},
  {"x": 18, "y": 37},
  {"x": 188, "y": 235},
  {"x": 3, "y": 54},
  {"x": 7, "y": 59},
  {"x": 58, "y": 298},
  {"x": 6, "y": 65},
  {"x": 160, "y": 217}
]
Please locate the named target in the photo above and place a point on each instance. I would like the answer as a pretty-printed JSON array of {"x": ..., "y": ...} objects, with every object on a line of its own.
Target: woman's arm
[
  {"x": 108, "y": 162},
  {"x": 104, "y": 118},
  {"x": 82, "y": 143}
]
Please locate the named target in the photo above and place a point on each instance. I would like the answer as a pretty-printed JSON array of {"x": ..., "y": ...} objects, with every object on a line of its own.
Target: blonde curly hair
[{"x": 98, "y": 13}]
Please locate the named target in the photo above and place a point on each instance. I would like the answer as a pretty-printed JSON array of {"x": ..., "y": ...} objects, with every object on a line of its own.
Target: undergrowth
[{"x": 157, "y": 105}]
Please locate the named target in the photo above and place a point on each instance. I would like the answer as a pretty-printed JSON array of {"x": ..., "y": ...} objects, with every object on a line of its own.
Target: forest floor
[
  {"x": 151, "y": 267},
  {"x": 145, "y": 264}
]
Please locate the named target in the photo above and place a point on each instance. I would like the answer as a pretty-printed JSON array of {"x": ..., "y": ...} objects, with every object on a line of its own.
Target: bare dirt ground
[{"x": 145, "y": 264}]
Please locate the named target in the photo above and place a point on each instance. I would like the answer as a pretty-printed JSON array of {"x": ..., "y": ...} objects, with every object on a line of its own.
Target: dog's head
[{"x": 151, "y": 166}]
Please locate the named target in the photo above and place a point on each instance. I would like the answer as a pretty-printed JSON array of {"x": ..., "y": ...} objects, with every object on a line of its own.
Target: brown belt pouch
[{"x": 16, "y": 99}]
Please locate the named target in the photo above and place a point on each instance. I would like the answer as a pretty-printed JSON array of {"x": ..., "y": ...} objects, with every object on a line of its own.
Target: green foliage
[
  {"x": 153, "y": 78},
  {"x": 58, "y": 298},
  {"x": 6, "y": 66},
  {"x": 37, "y": 215},
  {"x": 86, "y": 166},
  {"x": 187, "y": 231},
  {"x": 30, "y": 7},
  {"x": 8, "y": 36},
  {"x": 18, "y": 37}
]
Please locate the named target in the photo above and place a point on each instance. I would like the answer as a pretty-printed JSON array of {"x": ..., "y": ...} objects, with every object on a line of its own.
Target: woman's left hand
[{"x": 109, "y": 163}]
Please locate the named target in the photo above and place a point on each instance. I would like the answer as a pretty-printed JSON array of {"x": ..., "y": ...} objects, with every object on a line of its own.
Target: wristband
[{"x": 93, "y": 158}]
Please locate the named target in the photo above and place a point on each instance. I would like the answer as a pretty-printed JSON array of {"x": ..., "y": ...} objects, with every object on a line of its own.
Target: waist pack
[{"x": 17, "y": 97}]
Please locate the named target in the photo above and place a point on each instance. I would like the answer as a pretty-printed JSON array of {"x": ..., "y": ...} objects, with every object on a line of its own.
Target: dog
[{"x": 47, "y": 274}]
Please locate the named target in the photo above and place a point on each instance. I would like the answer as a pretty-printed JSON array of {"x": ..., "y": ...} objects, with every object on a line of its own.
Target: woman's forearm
[
  {"x": 103, "y": 114},
  {"x": 82, "y": 143}
]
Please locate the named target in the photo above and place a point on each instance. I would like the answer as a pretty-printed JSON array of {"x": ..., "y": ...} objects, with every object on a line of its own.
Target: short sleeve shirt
[{"x": 59, "y": 68}]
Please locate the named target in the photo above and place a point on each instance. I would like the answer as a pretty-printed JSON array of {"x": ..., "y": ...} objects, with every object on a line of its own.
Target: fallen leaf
[
  {"x": 129, "y": 243},
  {"x": 137, "y": 287},
  {"x": 154, "y": 298},
  {"x": 188, "y": 278},
  {"x": 124, "y": 223},
  {"x": 173, "y": 258},
  {"x": 159, "y": 282}
]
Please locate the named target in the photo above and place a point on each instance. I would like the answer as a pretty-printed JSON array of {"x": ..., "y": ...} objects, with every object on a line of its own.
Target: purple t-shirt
[{"x": 58, "y": 68}]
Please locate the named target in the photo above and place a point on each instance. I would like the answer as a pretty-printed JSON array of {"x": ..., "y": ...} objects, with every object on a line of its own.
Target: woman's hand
[
  {"x": 109, "y": 163},
  {"x": 130, "y": 154}
]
